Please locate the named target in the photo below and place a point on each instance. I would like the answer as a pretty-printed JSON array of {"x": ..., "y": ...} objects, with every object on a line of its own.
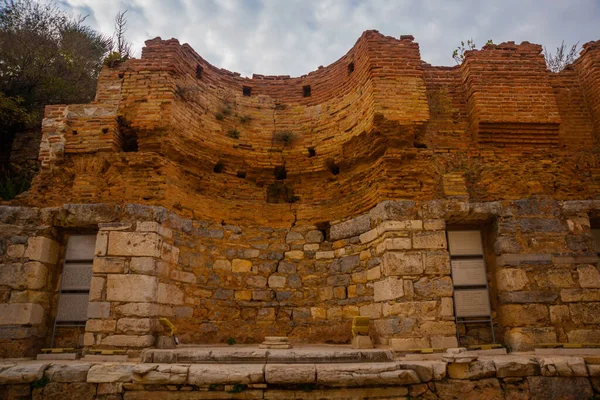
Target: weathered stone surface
[
  {"x": 109, "y": 265},
  {"x": 137, "y": 244},
  {"x": 128, "y": 341},
  {"x": 31, "y": 275},
  {"x": 160, "y": 374},
  {"x": 402, "y": 264},
  {"x": 584, "y": 336},
  {"x": 516, "y": 366},
  {"x": 528, "y": 297},
  {"x": 585, "y": 313},
  {"x": 131, "y": 288},
  {"x": 409, "y": 343},
  {"x": 353, "y": 227},
  {"x": 559, "y": 314},
  {"x": 108, "y": 373},
  {"x": 239, "y": 265},
  {"x": 563, "y": 366},
  {"x": 524, "y": 314},
  {"x": 523, "y": 339},
  {"x": 72, "y": 372},
  {"x": 488, "y": 389},
  {"x": 388, "y": 289},
  {"x": 511, "y": 279},
  {"x": 436, "y": 262},
  {"x": 589, "y": 277},
  {"x": 366, "y": 374},
  {"x": 22, "y": 373},
  {"x": 434, "y": 287},
  {"x": 290, "y": 374},
  {"x": 574, "y": 295},
  {"x": 314, "y": 237},
  {"x": 555, "y": 278},
  {"x": 21, "y": 314},
  {"x": 479, "y": 369},
  {"x": 42, "y": 249},
  {"x": 225, "y": 374},
  {"x": 429, "y": 240},
  {"x": 277, "y": 281},
  {"x": 169, "y": 294},
  {"x": 555, "y": 388}
]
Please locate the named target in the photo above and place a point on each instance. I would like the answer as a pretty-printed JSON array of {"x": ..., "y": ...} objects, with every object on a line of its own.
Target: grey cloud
[{"x": 294, "y": 37}]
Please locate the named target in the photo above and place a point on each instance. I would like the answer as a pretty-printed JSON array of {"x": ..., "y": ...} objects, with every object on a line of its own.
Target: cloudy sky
[{"x": 294, "y": 37}]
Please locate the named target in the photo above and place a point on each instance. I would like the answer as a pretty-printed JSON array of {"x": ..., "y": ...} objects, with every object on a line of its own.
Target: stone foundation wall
[
  {"x": 218, "y": 281},
  {"x": 487, "y": 378}
]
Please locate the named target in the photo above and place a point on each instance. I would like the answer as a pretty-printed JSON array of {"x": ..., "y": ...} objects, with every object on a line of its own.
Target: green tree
[{"x": 46, "y": 57}]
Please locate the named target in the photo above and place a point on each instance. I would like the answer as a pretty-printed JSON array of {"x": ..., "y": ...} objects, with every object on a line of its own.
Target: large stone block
[
  {"x": 22, "y": 373},
  {"x": 160, "y": 374},
  {"x": 169, "y": 294},
  {"x": 365, "y": 374},
  {"x": 524, "y": 315},
  {"x": 21, "y": 314},
  {"x": 128, "y": 341},
  {"x": 226, "y": 374},
  {"x": 589, "y": 277},
  {"x": 585, "y": 313},
  {"x": 511, "y": 279},
  {"x": 108, "y": 373},
  {"x": 353, "y": 227},
  {"x": 388, "y": 289},
  {"x": 42, "y": 249},
  {"x": 429, "y": 240},
  {"x": 277, "y": 374},
  {"x": 137, "y": 244},
  {"x": 525, "y": 339},
  {"x": 31, "y": 275},
  {"x": 137, "y": 326},
  {"x": 434, "y": 287},
  {"x": 395, "y": 263},
  {"x": 436, "y": 263},
  {"x": 131, "y": 288},
  {"x": 109, "y": 265}
]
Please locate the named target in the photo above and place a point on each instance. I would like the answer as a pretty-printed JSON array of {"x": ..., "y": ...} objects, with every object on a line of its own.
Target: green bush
[{"x": 13, "y": 183}]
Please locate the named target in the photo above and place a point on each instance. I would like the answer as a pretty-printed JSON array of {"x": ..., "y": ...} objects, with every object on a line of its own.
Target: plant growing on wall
[
  {"x": 459, "y": 53},
  {"x": 284, "y": 138},
  {"x": 564, "y": 56}
]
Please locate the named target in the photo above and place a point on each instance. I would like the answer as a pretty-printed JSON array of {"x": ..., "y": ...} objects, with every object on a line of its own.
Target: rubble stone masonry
[{"x": 271, "y": 206}]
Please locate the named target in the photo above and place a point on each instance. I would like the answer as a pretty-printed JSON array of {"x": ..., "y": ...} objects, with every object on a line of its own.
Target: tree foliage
[
  {"x": 564, "y": 56},
  {"x": 459, "y": 53},
  {"x": 46, "y": 57}
]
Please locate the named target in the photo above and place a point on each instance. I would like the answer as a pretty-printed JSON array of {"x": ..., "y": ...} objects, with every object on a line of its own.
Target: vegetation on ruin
[
  {"x": 233, "y": 133},
  {"x": 284, "y": 138},
  {"x": 564, "y": 56},
  {"x": 459, "y": 53},
  {"x": 555, "y": 62},
  {"x": 13, "y": 182}
]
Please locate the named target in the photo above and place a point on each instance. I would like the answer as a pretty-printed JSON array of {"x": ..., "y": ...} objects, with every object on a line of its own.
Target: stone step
[{"x": 253, "y": 355}]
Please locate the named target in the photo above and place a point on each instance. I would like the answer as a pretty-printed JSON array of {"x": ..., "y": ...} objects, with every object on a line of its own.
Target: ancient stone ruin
[{"x": 452, "y": 205}]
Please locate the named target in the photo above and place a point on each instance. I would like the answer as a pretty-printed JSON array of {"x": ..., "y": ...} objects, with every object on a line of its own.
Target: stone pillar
[
  {"x": 131, "y": 260},
  {"x": 25, "y": 294},
  {"x": 412, "y": 303}
]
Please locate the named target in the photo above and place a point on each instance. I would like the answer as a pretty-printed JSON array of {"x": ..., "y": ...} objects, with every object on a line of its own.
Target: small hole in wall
[
  {"x": 306, "y": 91},
  {"x": 105, "y": 130},
  {"x": 324, "y": 228},
  {"x": 312, "y": 152},
  {"x": 121, "y": 75},
  {"x": 199, "y": 71},
  {"x": 75, "y": 132},
  {"x": 332, "y": 166},
  {"x": 350, "y": 68},
  {"x": 280, "y": 172},
  {"x": 241, "y": 174},
  {"x": 247, "y": 91},
  {"x": 219, "y": 167},
  {"x": 419, "y": 145}
]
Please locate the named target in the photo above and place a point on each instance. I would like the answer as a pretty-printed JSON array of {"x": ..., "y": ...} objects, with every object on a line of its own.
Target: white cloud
[{"x": 294, "y": 37}]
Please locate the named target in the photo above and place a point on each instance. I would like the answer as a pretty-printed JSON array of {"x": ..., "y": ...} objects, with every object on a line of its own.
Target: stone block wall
[{"x": 220, "y": 281}]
